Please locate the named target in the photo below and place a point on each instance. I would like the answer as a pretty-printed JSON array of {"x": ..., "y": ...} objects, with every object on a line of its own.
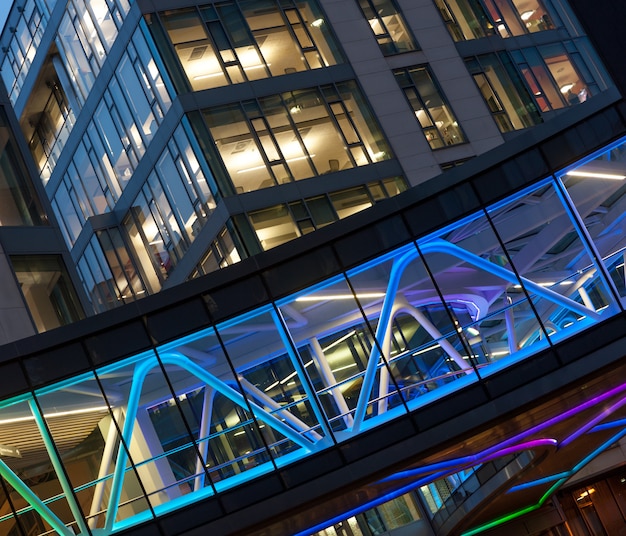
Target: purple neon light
[
  {"x": 457, "y": 464},
  {"x": 493, "y": 451},
  {"x": 597, "y": 419}
]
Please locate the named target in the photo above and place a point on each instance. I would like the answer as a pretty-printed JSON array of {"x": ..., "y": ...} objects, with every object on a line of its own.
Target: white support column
[
  {"x": 509, "y": 319},
  {"x": 110, "y": 444},
  {"x": 281, "y": 412},
  {"x": 205, "y": 430},
  {"x": 329, "y": 379}
]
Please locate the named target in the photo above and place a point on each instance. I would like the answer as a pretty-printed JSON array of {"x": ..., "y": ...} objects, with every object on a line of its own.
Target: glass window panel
[
  {"x": 127, "y": 279},
  {"x": 534, "y": 15},
  {"x": 388, "y": 25},
  {"x": 84, "y": 174},
  {"x": 80, "y": 425},
  {"x": 296, "y": 128},
  {"x": 348, "y": 202},
  {"x": 272, "y": 378},
  {"x": 504, "y": 92},
  {"x": 482, "y": 292},
  {"x": 321, "y": 211},
  {"x": 177, "y": 193},
  {"x": 366, "y": 124},
  {"x": 97, "y": 278},
  {"x": 271, "y": 32},
  {"x": 18, "y": 202},
  {"x": 419, "y": 89},
  {"x": 48, "y": 290},
  {"x": 168, "y": 229},
  {"x": 30, "y": 458},
  {"x": 147, "y": 249},
  {"x": 571, "y": 85},
  {"x": 566, "y": 289},
  {"x": 141, "y": 470},
  {"x": 237, "y": 148},
  {"x": 134, "y": 91},
  {"x": 67, "y": 214},
  {"x": 76, "y": 57},
  {"x": 114, "y": 146},
  {"x": 320, "y": 136},
  {"x": 327, "y": 326},
  {"x": 597, "y": 189},
  {"x": 254, "y": 39},
  {"x": 194, "y": 49},
  {"x": 273, "y": 226},
  {"x": 506, "y": 21},
  {"x": 415, "y": 331}
]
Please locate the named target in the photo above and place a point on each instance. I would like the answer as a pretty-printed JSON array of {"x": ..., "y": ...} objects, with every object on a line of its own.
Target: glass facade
[
  {"x": 473, "y": 19},
  {"x": 85, "y": 36},
  {"x": 125, "y": 121},
  {"x": 232, "y": 395},
  {"x": 556, "y": 75},
  {"x": 21, "y": 52},
  {"x": 252, "y": 392},
  {"x": 19, "y": 204},
  {"x": 173, "y": 206},
  {"x": 232, "y": 42},
  {"x": 278, "y": 224}
]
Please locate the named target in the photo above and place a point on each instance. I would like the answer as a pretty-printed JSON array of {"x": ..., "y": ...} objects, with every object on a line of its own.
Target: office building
[{"x": 446, "y": 359}]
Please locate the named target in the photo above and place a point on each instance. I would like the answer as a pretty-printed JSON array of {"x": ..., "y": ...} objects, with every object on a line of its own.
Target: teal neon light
[
  {"x": 33, "y": 500},
  {"x": 183, "y": 362}
]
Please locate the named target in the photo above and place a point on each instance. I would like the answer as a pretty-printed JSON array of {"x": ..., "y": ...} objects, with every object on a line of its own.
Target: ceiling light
[
  {"x": 317, "y": 23},
  {"x": 288, "y": 160},
  {"x": 427, "y": 349},
  {"x": 209, "y": 75},
  {"x": 566, "y": 87},
  {"x": 593, "y": 175},
  {"x": 344, "y": 367},
  {"x": 55, "y": 414},
  {"x": 527, "y": 14},
  {"x": 339, "y": 341},
  {"x": 317, "y": 297}
]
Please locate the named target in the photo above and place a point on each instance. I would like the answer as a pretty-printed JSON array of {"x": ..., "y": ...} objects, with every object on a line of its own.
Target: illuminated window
[
  {"x": 556, "y": 75},
  {"x": 228, "y": 43},
  {"x": 473, "y": 19},
  {"x": 504, "y": 91},
  {"x": 294, "y": 135},
  {"x": 48, "y": 290},
  {"x": 434, "y": 114},
  {"x": 392, "y": 33}
]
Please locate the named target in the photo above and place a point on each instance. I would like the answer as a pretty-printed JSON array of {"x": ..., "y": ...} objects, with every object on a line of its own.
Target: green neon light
[
  {"x": 58, "y": 468},
  {"x": 501, "y": 520}
]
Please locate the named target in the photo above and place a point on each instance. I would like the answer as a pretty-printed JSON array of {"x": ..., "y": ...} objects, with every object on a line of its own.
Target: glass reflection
[
  {"x": 597, "y": 189},
  {"x": 557, "y": 272},
  {"x": 481, "y": 290}
]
